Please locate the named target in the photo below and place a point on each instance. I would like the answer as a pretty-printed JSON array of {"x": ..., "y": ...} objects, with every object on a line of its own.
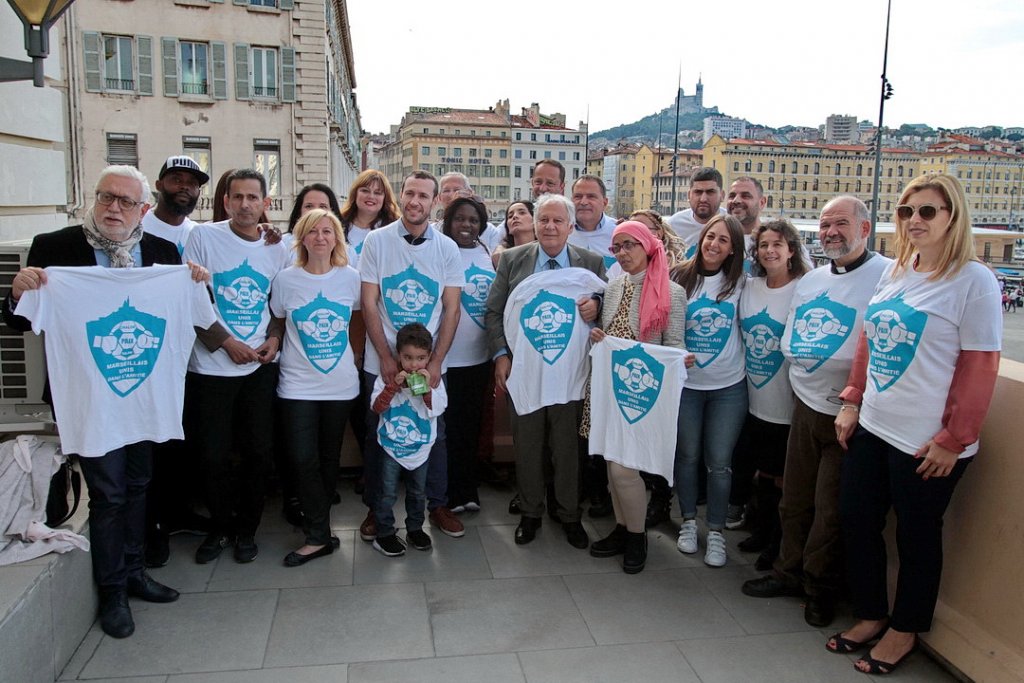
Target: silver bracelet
[{"x": 851, "y": 406}]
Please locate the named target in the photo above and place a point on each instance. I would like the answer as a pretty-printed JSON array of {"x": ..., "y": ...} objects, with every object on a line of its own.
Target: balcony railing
[
  {"x": 201, "y": 88},
  {"x": 119, "y": 83},
  {"x": 264, "y": 91}
]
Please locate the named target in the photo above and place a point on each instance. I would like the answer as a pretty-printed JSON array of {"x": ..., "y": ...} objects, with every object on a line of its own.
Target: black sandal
[
  {"x": 876, "y": 667},
  {"x": 846, "y": 646}
]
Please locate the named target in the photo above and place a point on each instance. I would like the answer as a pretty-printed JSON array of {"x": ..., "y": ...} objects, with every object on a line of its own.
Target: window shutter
[
  {"x": 91, "y": 49},
  {"x": 169, "y": 48},
  {"x": 219, "y": 51},
  {"x": 285, "y": 4},
  {"x": 287, "y": 74},
  {"x": 144, "y": 46},
  {"x": 241, "y": 71}
]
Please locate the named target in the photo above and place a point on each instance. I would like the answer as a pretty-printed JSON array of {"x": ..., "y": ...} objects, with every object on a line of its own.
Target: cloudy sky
[{"x": 951, "y": 64}]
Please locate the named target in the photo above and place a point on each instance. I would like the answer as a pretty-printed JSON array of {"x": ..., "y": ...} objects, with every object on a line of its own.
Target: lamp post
[
  {"x": 886, "y": 94},
  {"x": 37, "y": 16}
]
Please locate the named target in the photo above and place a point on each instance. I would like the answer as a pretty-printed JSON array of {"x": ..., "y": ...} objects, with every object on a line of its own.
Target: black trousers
[
  {"x": 466, "y": 386},
  {"x": 313, "y": 434},
  {"x": 228, "y": 413},
  {"x": 876, "y": 476},
  {"x": 117, "y": 484}
]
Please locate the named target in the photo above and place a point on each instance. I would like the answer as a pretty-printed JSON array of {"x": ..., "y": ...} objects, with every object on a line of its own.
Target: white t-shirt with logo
[
  {"x": 242, "y": 273},
  {"x": 763, "y": 313},
  {"x": 712, "y": 334},
  {"x": 634, "y": 395},
  {"x": 412, "y": 279},
  {"x": 117, "y": 347},
  {"x": 175, "y": 234},
  {"x": 824, "y": 322},
  {"x": 597, "y": 240},
  {"x": 317, "y": 363},
  {"x": 470, "y": 344},
  {"x": 408, "y": 428},
  {"x": 916, "y": 329},
  {"x": 548, "y": 340}
]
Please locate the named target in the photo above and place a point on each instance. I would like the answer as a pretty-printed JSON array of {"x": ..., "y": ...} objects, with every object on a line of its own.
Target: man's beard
[{"x": 169, "y": 201}]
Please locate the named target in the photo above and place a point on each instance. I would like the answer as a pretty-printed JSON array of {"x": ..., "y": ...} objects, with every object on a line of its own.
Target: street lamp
[
  {"x": 885, "y": 94},
  {"x": 37, "y": 16}
]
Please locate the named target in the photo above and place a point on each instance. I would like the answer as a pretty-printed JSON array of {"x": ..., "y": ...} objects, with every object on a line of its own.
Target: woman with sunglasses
[
  {"x": 776, "y": 268},
  {"x": 641, "y": 304},
  {"x": 920, "y": 387},
  {"x": 713, "y": 405}
]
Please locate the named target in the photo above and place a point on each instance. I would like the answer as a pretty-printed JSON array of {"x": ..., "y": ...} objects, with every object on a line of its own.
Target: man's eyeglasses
[
  {"x": 628, "y": 246},
  {"x": 126, "y": 203},
  {"x": 926, "y": 211}
]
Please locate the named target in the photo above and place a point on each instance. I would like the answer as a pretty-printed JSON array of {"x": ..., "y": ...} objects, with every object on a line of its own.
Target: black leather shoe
[
  {"x": 245, "y": 549},
  {"x": 145, "y": 587},
  {"x": 115, "y": 615},
  {"x": 771, "y": 586},
  {"x": 819, "y": 610},
  {"x": 513, "y": 505},
  {"x": 635, "y": 553},
  {"x": 611, "y": 545},
  {"x": 297, "y": 560},
  {"x": 576, "y": 535},
  {"x": 292, "y": 512},
  {"x": 527, "y": 529},
  {"x": 210, "y": 549}
]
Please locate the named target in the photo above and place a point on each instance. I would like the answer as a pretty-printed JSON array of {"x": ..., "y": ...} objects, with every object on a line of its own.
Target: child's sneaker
[
  {"x": 389, "y": 545},
  {"x": 418, "y": 539}
]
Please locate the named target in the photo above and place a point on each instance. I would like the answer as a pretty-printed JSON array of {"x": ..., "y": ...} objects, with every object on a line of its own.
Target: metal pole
[
  {"x": 675, "y": 148},
  {"x": 885, "y": 94}
]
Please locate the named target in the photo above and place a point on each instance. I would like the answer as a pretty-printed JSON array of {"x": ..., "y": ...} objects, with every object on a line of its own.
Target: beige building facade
[{"x": 246, "y": 83}]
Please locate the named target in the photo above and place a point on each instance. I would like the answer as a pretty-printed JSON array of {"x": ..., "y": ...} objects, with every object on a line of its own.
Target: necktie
[{"x": 552, "y": 264}]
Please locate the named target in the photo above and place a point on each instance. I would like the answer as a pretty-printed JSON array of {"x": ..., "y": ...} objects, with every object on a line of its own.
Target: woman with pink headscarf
[{"x": 642, "y": 305}]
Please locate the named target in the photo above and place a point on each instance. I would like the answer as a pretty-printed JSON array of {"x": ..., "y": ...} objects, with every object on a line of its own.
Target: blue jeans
[
  {"x": 709, "y": 422},
  {"x": 415, "y": 495}
]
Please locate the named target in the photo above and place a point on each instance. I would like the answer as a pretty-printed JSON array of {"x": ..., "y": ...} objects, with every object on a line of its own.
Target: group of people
[{"x": 814, "y": 399}]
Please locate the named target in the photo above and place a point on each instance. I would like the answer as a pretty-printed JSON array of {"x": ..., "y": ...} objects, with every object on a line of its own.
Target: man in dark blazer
[
  {"x": 111, "y": 236},
  {"x": 554, "y": 427}
]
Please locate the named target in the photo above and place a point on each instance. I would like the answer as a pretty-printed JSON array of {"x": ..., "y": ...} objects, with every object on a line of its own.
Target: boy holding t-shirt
[{"x": 407, "y": 429}]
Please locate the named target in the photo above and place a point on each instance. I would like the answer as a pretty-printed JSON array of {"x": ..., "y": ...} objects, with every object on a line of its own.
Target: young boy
[{"x": 408, "y": 410}]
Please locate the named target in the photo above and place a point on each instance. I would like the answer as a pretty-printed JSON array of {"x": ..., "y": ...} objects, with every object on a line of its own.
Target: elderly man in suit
[
  {"x": 111, "y": 236},
  {"x": 552, "y": 428}
]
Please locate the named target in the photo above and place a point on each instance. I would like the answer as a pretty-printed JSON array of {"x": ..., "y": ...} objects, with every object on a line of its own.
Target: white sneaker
[
  {"x": 736, "y": 516},
  {"x": 687, "y": 542},
  {"x": 715, "y": 556},
  {"x": 472, "y": 506}
]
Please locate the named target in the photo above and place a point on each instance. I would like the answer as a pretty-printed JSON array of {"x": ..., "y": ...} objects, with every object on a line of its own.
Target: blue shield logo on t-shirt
[
  {"x": 402, "y": 432},
  {"x": 762, "y": 338},
  {"x": 547, "y": 322},
  {"x": 708, "y": 326},
  {"x": 241, "y": 296},
  {"x": 820, "y": 327},
  {"x": 636, "y": 382},
  {"x": 125, "y": 346},
  {"x": 893, "y": 330},
  {"x": 409, "y": 297},
  {"x": 474, "y": 294},
  {"x": 323, "y": 330}
]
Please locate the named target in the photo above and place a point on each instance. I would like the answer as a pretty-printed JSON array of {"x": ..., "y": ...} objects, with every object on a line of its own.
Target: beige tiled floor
[{"x": 477, "y": 609}]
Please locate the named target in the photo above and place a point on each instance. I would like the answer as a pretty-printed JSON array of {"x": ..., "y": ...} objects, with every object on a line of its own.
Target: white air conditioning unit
[{"x": 22, "y": 364}]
